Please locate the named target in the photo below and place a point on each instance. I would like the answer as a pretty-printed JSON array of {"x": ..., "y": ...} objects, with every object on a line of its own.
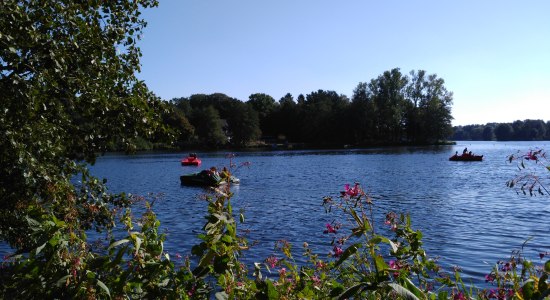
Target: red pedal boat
[{"x": 191, "y": 160}]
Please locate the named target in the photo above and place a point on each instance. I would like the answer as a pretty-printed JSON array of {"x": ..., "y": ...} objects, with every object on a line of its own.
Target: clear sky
[{"x": 494, "y": 55}]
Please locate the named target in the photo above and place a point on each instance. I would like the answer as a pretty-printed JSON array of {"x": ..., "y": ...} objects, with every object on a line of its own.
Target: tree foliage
[
  {"x": 526, "y": 130},
  {"x": 68, "y": 86}
]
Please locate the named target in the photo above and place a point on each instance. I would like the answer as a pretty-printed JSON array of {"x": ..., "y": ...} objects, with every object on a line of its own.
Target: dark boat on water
[
  {"x": 206, "y": 178},
  {"x": 466, "y": 157}
]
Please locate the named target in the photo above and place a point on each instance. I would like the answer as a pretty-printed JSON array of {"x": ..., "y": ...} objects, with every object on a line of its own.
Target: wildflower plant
[
  {"x": 518, "y": 278},
  {"x": 532, "y": 177},
  {"x": 369, "y": 264}
]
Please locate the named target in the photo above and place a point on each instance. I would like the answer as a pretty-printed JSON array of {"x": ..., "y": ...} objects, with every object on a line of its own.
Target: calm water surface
[{"x": 467, "y": 214}]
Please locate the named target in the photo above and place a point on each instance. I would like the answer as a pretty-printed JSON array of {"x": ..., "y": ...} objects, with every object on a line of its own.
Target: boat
[
  {"x": 207, "y": 178},
  {"x": 191, "y": 160},
  {"x": 466, "y": 157}
]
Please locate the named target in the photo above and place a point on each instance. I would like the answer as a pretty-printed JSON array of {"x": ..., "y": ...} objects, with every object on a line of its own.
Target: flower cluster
[
  {"x": 332, "y": 228},
  {"x": 352, "y": 192},
  {"x": 272, "y": 261},
  {"x": 391, "y": 220}
]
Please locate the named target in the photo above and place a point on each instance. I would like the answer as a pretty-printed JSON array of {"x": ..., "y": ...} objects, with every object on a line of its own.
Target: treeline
[
  {"x": 528, "y": 130},
  {"x": 391, "y": 109}
]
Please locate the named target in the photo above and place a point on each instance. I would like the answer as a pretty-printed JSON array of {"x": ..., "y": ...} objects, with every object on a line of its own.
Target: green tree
[
  {"x": 504, "y": 132},
  {"x": 68, "y": 86},
  {"x": 388, "y": 92},
  {"x": 183, "y": 104},
  {"x": 243, "y": 123},
  {"x": 266, "y": 107},
  {"x": 533, "y": 130},
  {"x": 209, "y": 127},
  {"x": 323, "y": 121},
  {"x": 262, "y": 103},
  {"x": 286, "y": 118},
  {"x": 488, "y": 133},
  {"x": 176, "y": 119},
  {"x": 429, "y": 113},
  {"x": 517, "y": 127},
  {"x": 362, "y": 114}
]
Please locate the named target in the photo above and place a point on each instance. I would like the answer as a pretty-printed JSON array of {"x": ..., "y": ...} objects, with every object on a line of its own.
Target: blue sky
[{"x": 494, "y": 55}]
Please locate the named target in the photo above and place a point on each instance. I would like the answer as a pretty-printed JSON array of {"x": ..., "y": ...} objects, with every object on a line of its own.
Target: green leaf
[
  {"x": 413, "y": 289},
  {"x": 271, "y": 291},
  {"x": 543, "y": 286},
  {"x": 40, "y": 248},
  {"x": 380, "y": 263},
  {"x": 388, "y": 241},
  {"x": 352, "y": 291},
  {"x": 227, "y": 239},
  {"x": 528, "y": 289},
  {"x": 349, "y": 251},
  {"x": 119, "y": 255},
  {"x": 222, "y": 296},
  {"x": 138, "y": 244},
  {"x": 90, "y": 275},
  {"x": 403, "y": 292},
  {"x": 62, "y": 281},
  {"x": 104, "y": 287},
  {"x": 117, "y": 243},
  {"x": 443, "y": 295}
]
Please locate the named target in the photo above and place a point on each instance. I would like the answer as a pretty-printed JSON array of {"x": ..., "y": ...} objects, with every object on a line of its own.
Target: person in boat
[
  {"x": 225, "y": 173},
  {"x": 465, "y": 151},
  {"x": 214, "y": 171}
]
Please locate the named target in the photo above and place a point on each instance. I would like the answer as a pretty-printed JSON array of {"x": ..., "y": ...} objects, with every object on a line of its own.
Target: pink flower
[
  {"x": 316, "y": 281},
  {"x": 352, "y": 192},
  {"x": 394, "y": 265},
  {"x": 282, "y": 272},
  {"x": 531, "y": 155},
  {"x": 330, "y": 229},
  {"x": 489, "y": 278},
  {"x": 506, "y": 267},
  {"x": 320, "y": 265},
  {"x": 391, "y": 220},
  {"x": 337, "y": 251},
  {"x": 272, "y": 261},
  {"x": 459, "y": 296}
]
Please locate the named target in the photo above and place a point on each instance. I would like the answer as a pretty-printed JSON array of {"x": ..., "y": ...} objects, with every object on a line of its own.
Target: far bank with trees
[
  {"x": 392, "y": 109},
  {"x": 526, "y": 130}
]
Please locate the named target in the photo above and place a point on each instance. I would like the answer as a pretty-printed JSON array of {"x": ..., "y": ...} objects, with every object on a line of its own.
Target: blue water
[{"x": 468, "y": 216}]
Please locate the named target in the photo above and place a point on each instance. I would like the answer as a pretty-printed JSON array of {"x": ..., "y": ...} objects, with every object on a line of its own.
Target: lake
[{"x": 469, "y": 218}]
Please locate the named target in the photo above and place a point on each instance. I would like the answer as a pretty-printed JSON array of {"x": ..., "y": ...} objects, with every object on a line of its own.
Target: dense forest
[
  {"x": 391, "y": 109},
  {"x": 527, "y": 130}
]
